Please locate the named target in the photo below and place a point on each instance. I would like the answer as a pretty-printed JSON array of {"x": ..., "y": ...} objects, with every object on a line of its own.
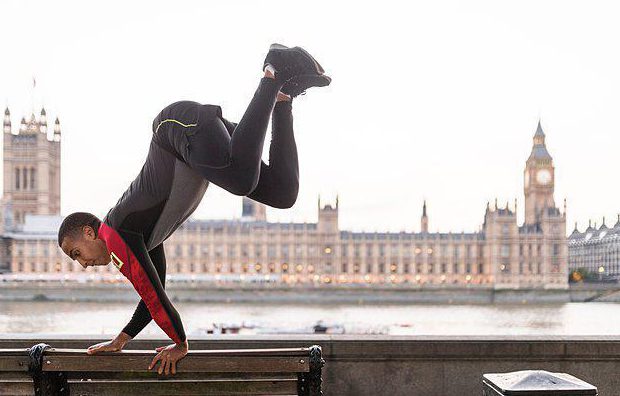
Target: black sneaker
[
  {"x": 297, "y": 85},
  {"x": 290, "y": 62}
]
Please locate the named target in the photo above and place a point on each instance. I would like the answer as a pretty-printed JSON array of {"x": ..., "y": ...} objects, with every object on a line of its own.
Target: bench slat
[
  {"x": 16, "y": 388},
  {"x": 128, "y": 363},
  {"x": 146, "y": 375},
  {"x": 199, "y": 352},
  {"x": 12, "y": 352},
  {"x": 15, "y": 376},
  {"x": 14, "y": 363},
  {"x": 115, "y": 388}
]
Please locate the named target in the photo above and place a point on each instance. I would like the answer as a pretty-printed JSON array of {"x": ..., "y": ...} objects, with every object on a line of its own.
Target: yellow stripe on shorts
[{"x": 175, "y": 121}]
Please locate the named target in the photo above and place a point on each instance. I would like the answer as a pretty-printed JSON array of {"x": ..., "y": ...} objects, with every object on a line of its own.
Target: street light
[{"x": 601, "y": 270}]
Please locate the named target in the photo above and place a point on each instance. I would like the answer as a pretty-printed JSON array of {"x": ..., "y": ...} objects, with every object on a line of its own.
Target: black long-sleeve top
[{"x": 163, "y": 195}]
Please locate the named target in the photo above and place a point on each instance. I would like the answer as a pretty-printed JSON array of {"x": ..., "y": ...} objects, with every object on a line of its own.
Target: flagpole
[{"x": 34, "y": 84}]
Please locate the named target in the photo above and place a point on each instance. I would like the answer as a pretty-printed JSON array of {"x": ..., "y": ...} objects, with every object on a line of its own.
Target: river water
[{"x": 99, "y": 319}]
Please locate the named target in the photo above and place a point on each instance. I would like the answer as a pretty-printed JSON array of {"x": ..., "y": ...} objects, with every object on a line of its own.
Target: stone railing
[{"x": 412, "y": 365}]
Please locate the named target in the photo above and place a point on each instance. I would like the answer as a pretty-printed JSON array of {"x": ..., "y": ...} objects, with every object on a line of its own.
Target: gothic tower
[
  {"x": 328, "y": 218},
  {"x": 539, "y": 180},
  {"x": 328, "y": 238},
  {"x": 31, "y": 167},
  {"x": 424, "y": 220},
  {"x": 253, "y": 210}
]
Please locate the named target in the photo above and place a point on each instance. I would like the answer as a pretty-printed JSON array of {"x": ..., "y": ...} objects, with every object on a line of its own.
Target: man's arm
[
  {"x": 141, "y": 316},
  {"x": 145, "y": 280}
]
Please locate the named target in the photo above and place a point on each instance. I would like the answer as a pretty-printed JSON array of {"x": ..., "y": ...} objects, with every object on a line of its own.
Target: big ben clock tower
[{"x": 539, "y": 179}]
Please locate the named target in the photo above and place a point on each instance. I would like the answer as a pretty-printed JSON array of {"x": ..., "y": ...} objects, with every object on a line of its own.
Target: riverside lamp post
[{"x": 601, "y": 270}]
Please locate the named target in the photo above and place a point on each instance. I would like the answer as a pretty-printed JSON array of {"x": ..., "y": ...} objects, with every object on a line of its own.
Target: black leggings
[{"x": 229, "y": 154}]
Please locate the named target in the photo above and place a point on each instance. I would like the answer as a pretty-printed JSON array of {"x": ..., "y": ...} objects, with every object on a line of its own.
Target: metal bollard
[{"x": 535, "y": 382}]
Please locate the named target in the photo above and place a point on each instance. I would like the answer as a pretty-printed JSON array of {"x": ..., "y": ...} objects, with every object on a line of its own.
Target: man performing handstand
[{"x": 193, "y": 145}]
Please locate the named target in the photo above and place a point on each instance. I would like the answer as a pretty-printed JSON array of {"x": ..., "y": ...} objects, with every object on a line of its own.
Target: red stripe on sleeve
[{"x": 131, "y": 268}]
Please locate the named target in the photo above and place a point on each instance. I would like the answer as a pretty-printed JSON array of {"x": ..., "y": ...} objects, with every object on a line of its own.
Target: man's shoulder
[{"x": 111, "y": 219}]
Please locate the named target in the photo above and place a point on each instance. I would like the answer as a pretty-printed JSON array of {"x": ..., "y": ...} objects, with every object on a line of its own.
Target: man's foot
[
  {"x": 290, "y": 62},
  {"x": 297, "y": 85}
]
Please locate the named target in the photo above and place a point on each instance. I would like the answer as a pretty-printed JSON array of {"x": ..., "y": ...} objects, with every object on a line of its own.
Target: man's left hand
[{"x": 169, "y": 356}]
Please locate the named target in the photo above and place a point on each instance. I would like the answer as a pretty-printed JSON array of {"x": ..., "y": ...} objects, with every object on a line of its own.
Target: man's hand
[
  {"x": 169, "y": 356},
  {"x": 115, "y": 345}
]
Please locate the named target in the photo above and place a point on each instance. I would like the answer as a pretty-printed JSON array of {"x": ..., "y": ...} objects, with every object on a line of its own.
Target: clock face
[{"x": 543, "y": 176}]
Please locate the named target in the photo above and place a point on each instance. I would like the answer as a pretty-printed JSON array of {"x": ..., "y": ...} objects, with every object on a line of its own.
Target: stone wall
[{"x": 239, "y": 293}]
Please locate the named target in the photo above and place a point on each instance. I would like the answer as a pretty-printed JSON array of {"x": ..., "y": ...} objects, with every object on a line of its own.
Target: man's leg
[
  {"x": 241, "y": 172},
  {"x": 278, "y": 183}
]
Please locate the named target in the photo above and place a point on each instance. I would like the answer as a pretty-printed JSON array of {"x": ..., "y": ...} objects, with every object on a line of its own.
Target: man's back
[{"x": 163, "y": 195}]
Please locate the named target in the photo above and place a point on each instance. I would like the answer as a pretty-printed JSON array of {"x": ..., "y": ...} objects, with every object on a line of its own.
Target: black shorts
[{"x": 194, "y": 133}]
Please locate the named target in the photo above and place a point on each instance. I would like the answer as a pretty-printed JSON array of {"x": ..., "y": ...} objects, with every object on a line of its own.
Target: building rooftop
[
  {"x": 595, "y": 235},
  {"x": 37, "y": 227}
]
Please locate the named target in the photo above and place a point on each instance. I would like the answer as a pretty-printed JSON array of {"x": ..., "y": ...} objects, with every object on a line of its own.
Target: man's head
[{"x": 77, "y": 237}]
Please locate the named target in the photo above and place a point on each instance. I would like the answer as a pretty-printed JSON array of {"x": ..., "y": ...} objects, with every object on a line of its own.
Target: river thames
[{"x": 97, "y": 319}]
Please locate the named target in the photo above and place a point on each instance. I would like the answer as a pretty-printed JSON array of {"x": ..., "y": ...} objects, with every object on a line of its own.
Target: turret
[
  {"x": 32, "y": 125},
  {"x": 57, "y": 130},
  {"x": 328, "y": 219},
  {"x": 424, "y": 221},
  {"x": 564, "y": 208},
  {"x": 22, "y": 125},
  {"x": 575, "y": 232},
  {"x": 43, "y": 121},
  {"x": 7, "y": 121}
]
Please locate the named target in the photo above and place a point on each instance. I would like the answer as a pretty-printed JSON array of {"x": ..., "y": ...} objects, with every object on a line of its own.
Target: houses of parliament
[{"x": 503, "y": 254}]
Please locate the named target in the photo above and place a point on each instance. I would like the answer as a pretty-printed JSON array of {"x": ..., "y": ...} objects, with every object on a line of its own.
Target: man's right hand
[{"x": 115, "y": 345}]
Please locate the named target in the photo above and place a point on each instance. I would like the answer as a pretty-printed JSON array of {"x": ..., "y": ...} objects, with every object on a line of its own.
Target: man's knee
[
  {"x": 288, "y": 199},
  {"x": 285, "y": 198},
  {"x": 245, "y": 183}
]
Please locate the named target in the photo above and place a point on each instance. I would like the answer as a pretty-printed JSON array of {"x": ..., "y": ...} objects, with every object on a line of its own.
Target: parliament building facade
[
  {"x": 595, "y": 252},
  {"x": 503, "y": 254}
]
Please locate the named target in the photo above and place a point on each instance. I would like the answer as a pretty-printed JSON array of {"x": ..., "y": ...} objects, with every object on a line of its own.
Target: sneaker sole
[
  {"x": 279, "y": 47},
  {"x": 321, "y": 81}
]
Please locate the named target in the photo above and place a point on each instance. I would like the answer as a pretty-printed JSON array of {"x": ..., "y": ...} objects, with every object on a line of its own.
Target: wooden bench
[{"x": 44, "y": 371}]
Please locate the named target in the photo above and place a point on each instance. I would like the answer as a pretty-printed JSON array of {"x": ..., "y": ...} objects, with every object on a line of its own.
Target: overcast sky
[{"x": 433, "y": 99}]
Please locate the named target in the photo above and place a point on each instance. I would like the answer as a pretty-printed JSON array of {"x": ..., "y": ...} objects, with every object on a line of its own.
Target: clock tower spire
[
  {"x": 539, "y": 179},
  {"x": 424, "y": 220}
]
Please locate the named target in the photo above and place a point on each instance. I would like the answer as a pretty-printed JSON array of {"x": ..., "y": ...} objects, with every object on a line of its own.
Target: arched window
[
  {"x": 32, "y": 178},
  {"x": 17, "y": 178},
  {"x": 25, "y": 178}
]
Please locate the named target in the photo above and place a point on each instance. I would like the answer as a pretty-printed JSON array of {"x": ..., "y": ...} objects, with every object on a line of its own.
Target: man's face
[{"x": 86, "y": 248}]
